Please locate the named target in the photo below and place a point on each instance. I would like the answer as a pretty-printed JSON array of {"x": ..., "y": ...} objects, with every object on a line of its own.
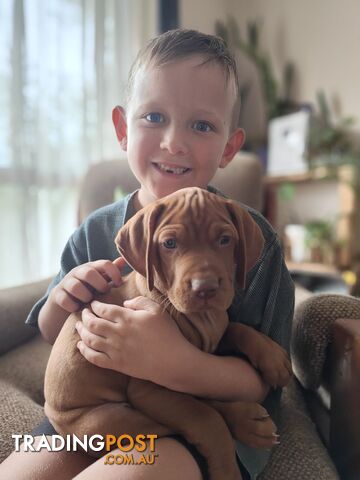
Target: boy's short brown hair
[{"x": 179, "y": 44}]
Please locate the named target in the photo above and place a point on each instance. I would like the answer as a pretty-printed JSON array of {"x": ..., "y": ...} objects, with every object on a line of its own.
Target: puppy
[{"x": 186, "y": 250}]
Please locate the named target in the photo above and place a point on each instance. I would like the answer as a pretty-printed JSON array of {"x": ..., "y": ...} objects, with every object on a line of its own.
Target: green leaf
[{"x": 286, "y": 191}]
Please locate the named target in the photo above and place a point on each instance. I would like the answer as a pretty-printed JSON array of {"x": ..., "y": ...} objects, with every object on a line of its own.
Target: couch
[{"x": 319, "y": 425}]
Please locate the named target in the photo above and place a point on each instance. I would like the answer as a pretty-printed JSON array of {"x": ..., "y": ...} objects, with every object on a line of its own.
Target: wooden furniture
[{"x": 319, "y": 194}]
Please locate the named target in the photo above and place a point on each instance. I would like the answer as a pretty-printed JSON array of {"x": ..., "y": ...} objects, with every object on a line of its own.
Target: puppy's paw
[
  {"x": 270, "y": 358},
  {"x": 251, "y": 424},
  {"x": 273, "y": 362}
]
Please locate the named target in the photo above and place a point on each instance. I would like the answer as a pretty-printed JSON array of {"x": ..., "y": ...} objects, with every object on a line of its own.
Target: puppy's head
[{"x": 190, "y": 245}]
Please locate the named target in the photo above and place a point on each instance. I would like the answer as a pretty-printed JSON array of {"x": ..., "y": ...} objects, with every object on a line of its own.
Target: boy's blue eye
[
  {"x": 154, "y": 117},
  {"x": 202, "y": 126}
]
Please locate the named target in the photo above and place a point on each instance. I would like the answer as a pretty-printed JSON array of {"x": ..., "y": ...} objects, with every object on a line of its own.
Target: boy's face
[{"x": 177, "y": 130}]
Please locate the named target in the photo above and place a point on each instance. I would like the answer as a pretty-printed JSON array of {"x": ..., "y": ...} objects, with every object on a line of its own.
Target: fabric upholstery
[
  {"x": 312, "y": 331},
  {"x": 24, "y": 367},
  {"x": 15, "y": 304},
  {"x": 301, "y": 454},
  {"x": 21, "y": 390},
  {"x": 19, "y": 414}
]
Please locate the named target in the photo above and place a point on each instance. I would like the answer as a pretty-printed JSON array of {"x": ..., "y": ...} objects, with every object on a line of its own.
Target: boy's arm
[
  {"x": 143, "y": 341},
  {"x": 215, "y": 377},
  {"x": 51, "y": 319},
  {"x": 75, "y": 289},
  {"x": 44, "y": 314}
]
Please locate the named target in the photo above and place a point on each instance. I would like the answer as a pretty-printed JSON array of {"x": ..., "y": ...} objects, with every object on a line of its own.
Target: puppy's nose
[{"x": 205, "y": 287}]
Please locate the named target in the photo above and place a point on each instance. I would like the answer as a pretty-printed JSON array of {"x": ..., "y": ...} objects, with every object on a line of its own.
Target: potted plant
[
  {"x": 277, "y": 104},
  {"x": 319, "y": 241},
  {"x": 331, "y": 149}
]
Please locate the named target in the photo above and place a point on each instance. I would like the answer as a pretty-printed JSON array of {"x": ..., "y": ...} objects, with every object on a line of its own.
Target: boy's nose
[{"x": 174, "y": 142}]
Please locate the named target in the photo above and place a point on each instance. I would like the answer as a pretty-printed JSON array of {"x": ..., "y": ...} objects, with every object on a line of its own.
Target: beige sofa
[{"x": 324, "y": 353}]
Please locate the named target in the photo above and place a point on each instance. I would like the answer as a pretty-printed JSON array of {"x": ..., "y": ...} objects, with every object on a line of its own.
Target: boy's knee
[
  {"x": 29, "y": 463},
  {"x": 169, "y": 459}
]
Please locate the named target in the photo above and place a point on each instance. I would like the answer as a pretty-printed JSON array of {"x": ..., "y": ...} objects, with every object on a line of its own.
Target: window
[{"x": 63, "y": 67}]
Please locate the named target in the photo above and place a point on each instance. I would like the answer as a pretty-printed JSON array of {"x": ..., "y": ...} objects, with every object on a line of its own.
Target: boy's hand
[
  {"x": 143, "y": 341},
  {"x": 81, "y": 284},
  {"x": 138, "y": 339}
]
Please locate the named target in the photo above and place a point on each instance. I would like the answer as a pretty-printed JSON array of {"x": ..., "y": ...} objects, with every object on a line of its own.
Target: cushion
[
  {"x": 301, "y": 454},
  {"x": 24, "y": 367},
  {"x": 19, "y": 414}
]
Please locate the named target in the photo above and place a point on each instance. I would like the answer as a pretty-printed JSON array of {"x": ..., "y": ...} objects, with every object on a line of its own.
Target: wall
[
  {"x": 322, "y": 38},
  {"x": 201, "y": 14}
]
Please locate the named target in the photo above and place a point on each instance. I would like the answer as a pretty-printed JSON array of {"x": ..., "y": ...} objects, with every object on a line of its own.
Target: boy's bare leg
[
  {"x": 43, "y": 465},
  {"x": 174, "y": 462}
]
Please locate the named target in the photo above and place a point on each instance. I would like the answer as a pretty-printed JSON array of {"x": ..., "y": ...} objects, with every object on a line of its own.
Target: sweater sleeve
[{"x": 267, "y": 303}]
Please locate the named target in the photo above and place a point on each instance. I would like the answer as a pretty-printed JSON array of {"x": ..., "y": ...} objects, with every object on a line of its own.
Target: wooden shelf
[
  {"x": 275, "y": 180},
  {"x": 313, "y": 268},
  {"x": 317, "y": 174},
  {"x": 346, "y": 201}
]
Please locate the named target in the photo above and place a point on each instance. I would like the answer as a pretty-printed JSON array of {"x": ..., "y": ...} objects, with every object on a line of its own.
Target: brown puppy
[{"x": 185, "y": 249}]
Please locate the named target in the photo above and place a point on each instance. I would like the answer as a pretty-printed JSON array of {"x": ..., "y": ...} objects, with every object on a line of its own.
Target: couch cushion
[
  {"x": 19, "y": 415},
  {"x": 242, "y": 180},
  {"x": 301, "y": 454},
  {"x": 24, "y": 367}
]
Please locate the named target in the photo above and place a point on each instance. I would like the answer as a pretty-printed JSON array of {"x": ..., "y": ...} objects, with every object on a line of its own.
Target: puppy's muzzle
[{"x": 205, "y": 288}]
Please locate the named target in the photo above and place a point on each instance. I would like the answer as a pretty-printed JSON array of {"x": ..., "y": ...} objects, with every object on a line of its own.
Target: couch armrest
[
  {"x": 345, "y": 397},
  {"x": 15, "y": 304}
]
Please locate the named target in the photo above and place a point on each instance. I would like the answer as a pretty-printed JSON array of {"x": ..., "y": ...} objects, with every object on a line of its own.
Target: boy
[{"x": 178, "y": 128}]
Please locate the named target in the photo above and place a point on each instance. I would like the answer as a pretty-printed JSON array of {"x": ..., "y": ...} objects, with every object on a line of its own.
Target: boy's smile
[
  {"x": 171, "y": 169},
  {"x": 177, "y": 129}
]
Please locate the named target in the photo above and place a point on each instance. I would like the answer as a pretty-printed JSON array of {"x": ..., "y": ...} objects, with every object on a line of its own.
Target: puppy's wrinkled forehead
[{"x": 195, "y": 206}]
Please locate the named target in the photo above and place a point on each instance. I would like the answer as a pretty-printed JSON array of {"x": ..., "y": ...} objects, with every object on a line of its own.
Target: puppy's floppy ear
[
  {"x": 251, "y": 241},
  {"x": 135, "y": 241}
]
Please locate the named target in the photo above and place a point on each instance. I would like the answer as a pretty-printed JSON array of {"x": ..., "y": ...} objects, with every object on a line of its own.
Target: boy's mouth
[{"x": 174, "y": 170}]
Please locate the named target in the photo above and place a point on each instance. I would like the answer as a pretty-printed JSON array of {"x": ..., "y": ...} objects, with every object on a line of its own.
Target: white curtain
[{"x": 63, "y": 66}]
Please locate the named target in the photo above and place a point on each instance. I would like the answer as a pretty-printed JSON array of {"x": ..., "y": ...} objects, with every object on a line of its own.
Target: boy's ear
[
  {"x": 119, "y": 121},
  {"x": 234, "y": 143}
]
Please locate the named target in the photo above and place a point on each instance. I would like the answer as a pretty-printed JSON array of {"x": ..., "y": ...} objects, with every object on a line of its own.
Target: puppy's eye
[
  {"x": 170, "y": 243},
  {"x": 224, "y": 240}
]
